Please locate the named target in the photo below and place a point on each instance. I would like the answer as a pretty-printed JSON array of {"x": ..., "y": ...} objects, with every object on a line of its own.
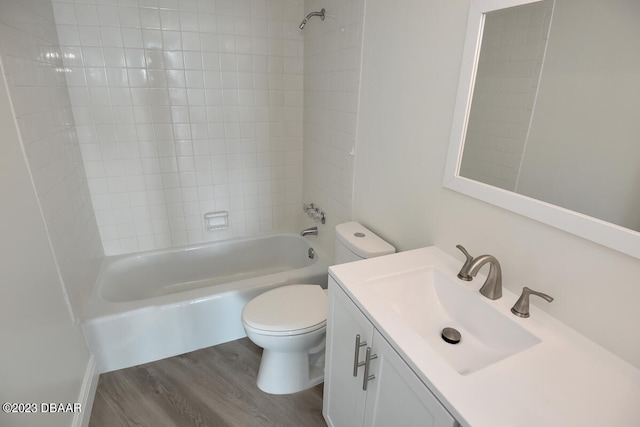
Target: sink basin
[{"x": 426, "y": 300}]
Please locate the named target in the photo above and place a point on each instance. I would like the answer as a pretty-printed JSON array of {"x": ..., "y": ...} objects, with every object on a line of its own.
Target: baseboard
[{"x": 87, "y": 394}]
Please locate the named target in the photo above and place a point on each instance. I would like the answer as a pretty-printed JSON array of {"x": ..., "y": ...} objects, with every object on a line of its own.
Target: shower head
[{"x": 321, "y": 14}]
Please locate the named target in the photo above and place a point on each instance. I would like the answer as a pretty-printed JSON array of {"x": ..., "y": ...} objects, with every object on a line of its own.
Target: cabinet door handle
[
  {"x": 368, "y": 358},
  {"x": 356, "y": 356}
]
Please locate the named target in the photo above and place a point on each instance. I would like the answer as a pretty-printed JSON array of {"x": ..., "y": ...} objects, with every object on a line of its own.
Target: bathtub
[{"x": 151, "y": 305}]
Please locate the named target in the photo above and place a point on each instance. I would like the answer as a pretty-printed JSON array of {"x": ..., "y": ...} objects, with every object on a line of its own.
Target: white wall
[
  {"x": 332, "y": 59},
  {"x": 185, "y": 107},
  {"x": 44, "y": 355},
  {"x": 32, "y": 65},
  {"x": 50, "y": 249},
  {"x": 412, "y": 57}
]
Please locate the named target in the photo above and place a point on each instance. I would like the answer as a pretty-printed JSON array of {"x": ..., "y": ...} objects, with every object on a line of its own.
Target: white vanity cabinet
[{"x": 394, "y": 395}]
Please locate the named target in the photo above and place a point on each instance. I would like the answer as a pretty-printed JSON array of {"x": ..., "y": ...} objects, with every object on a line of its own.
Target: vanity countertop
[{"x": 564, "y": 380}]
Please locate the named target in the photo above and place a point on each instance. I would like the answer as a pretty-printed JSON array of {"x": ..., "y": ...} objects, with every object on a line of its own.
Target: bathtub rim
[{"x": 98, "y": 307}]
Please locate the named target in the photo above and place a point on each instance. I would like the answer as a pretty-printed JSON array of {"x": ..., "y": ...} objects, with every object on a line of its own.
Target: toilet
[{"x": 290, "y": 322}]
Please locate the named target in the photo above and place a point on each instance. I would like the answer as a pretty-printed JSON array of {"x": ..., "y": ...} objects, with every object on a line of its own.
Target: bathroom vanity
[
  {"x": 370, "y": 384},
  {"x": 387, "y": 363}
]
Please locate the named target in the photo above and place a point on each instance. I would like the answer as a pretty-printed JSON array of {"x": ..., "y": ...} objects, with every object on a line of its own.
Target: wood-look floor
[{"x": 213, "y": 387}]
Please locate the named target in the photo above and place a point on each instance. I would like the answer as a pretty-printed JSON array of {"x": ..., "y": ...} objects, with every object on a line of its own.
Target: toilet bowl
[{"x": 290, "y": 322}]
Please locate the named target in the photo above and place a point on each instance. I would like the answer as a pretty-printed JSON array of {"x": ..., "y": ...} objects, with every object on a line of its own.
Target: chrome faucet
[
  {"x": 313, "y": 231},
  {"x": 492, "y": 287}
]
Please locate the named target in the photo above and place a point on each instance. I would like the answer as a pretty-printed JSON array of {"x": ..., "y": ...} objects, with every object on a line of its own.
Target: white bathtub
[{"x": 151, "y": 305}]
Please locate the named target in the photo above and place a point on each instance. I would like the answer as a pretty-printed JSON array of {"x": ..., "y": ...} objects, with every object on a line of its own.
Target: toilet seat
[{"x": 287, "y": 310}]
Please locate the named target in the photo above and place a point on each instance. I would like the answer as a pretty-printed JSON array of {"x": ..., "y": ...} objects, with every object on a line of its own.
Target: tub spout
[{"x": 313, "y": 231}]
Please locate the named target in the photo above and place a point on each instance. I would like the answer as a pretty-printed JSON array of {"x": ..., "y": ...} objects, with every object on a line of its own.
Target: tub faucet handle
[
  {"x": 318, "y": 215},
  {"x": 466, "y": 267},
  {"x": 521, "y": 307}
]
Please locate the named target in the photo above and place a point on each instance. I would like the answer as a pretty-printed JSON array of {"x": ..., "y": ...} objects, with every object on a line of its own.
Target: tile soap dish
[{"x": 218, "y": 220}]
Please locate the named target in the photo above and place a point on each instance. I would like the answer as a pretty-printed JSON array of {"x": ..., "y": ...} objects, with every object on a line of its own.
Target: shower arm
[{"x": 321, "y": 14}]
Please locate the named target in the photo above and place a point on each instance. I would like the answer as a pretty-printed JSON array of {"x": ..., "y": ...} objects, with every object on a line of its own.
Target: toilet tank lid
[{"x": 362, "y": 241}]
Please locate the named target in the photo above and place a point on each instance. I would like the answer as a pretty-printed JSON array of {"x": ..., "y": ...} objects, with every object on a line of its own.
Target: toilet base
[{"x": 287, "y": 372}]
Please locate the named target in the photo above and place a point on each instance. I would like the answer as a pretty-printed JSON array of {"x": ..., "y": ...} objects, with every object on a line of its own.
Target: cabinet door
[
  {"x": 344, "y": 399},
  {"x": 396, "y": 397}
]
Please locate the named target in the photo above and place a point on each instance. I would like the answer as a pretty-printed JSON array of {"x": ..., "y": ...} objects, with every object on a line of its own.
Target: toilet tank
[{"x": 355, "y": 242}]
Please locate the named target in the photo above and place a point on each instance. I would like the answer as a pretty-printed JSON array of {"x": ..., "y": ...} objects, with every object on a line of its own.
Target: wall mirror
[{"x": 547, "y": 118}]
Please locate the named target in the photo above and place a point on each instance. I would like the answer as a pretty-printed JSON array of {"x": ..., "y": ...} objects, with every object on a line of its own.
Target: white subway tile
[
  {"x": 68, "y": 35},
  {"x": 64, "y": 13},
  {"x": 86, "y": 14},
  {"x": 176, "y": 78},
  {"x": 189, "y": 21},
  {"x": 150, "y": 18},
  {"x": 193, "y": 61},
  {"x": 152, "y": 38},
  {"x": 170, "y": 20},
  {"x": 132, "y": 38},
  {"x": 194, "y": 79},
  {"x": 196, "y": 97},
  {"x": 207, "y": 22},
  {"x": 169, "y": 4},
  {"x": 129, "y": 16},
  {"x": 179, "y": 101},
  {"x": 89, "y": 35},
  {"x": 171, "y": 40},
  {"x": 209, "y": 61},
  {"x": 190, "y": 130},
  {"x": 108, "y": 15}
]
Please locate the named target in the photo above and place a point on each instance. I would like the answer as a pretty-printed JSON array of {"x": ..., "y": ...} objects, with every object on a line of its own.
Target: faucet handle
[
  {"x": 318, "y": 215},
  {"x": 464, "y": 271},
  {"x": 521, "y": 307}
]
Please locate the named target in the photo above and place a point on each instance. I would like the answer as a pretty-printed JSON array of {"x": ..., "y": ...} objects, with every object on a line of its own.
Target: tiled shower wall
[
  {"x": 513, "y": 47},
  {"x": 32, "y": 64},
  {"x": 332, "y": 64},
  {"x": 184, "y": 107}
]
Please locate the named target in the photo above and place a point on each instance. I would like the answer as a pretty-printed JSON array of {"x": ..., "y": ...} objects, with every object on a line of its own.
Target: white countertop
[{"x": 565, "y": 380}]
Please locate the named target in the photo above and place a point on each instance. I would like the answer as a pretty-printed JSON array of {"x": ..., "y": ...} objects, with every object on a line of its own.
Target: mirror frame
[{"x": 607, "y": 234}]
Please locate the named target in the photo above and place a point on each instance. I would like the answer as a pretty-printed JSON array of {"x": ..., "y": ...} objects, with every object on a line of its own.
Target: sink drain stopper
[{"x": 451, "y": 335}]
